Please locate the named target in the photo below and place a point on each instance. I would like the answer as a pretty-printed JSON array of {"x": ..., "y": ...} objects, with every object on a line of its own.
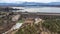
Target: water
[{"x": 41, "y": 9}]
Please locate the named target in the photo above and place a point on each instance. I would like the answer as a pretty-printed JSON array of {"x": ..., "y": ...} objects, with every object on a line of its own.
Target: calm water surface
[{"x": 41, "y": 9}]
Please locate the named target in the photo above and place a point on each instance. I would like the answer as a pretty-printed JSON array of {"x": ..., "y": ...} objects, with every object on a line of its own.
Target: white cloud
[{"x": 17, "y": 1}]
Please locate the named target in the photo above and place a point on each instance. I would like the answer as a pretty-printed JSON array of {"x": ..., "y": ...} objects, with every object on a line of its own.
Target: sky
[{"x": 18, "y": 1}]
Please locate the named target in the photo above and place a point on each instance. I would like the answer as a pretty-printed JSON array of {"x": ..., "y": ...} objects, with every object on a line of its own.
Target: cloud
[{"x": 17, "y": 1}]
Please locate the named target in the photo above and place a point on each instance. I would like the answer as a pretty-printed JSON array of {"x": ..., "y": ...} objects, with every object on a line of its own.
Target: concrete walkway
[{"x": 14, "y": 28}]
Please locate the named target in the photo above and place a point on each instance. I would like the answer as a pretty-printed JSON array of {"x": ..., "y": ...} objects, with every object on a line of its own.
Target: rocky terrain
[{"x": 7, "y": 21}]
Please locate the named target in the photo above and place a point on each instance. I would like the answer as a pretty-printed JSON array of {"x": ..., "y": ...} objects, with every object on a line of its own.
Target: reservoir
[{"x": 39, "y": 9}]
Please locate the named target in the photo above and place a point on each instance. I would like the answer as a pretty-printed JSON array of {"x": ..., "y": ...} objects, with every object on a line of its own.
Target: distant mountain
[
  {"x": 54, "y": 3},
  {"x": 31, "y": 4}
]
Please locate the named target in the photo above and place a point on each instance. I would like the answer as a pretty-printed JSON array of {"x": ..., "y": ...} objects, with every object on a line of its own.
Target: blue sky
[{"x": 18, "y": 1}]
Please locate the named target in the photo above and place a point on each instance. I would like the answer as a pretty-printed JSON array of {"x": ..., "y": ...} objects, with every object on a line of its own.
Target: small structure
[
  {"x": 29, "y": 20},
  {"x": 15, "y": 18},
  {"x": 37, "y": 20}
]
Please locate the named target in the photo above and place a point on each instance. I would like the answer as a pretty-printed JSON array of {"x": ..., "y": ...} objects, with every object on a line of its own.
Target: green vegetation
[
  {"x": 51, "y": 17},
  {"x": 29, "y": 29},
  {"x": 21, "y": 21},
  {"x": 52, "y": 24}
]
